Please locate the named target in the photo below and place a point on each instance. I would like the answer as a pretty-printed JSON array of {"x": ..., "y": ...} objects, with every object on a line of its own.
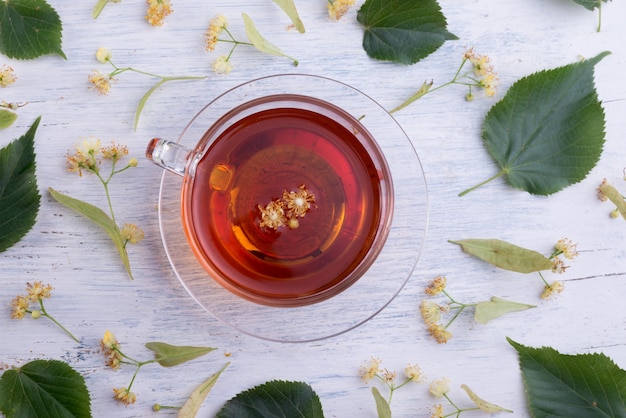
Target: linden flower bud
[
  {"x": 439, "y": 387},
  {"x": 133, "y": 162},
  {"x": 35, "y": 314},
  {"x": 103, "y": 55},
  {"x": 614, "y": 213},
  {"x": 109, "y": 341}
]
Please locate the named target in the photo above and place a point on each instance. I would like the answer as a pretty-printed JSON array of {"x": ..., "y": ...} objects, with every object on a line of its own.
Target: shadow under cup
[{"x": 286, "y": 200}]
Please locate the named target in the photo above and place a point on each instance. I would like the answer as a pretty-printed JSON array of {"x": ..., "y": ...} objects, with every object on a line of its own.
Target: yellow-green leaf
[
  {"x": 97, "y": 216},
  {"x": 482, "y": 404},
  {"x": 382, "y": 406},
  {"x": 7, "y": 118},
  {"x": 172, "y": 355},
  {"x": 505, "y": 256},
  {"x": 195, "y": 401},
  {"x": 260, "y": 42},
  {"x": 495, "y": 308},
  {"x": 289, "y": 7}
]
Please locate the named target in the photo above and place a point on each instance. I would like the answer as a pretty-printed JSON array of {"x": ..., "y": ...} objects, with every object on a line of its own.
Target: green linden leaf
[
  {"x": 274, "y": 398},
  {"x": 590, "y": 4},
  {"x": 259, "y": 42},
  {"x": 548, "y": 131},
  {"x": 97, "y": 216},
  {"x": 289, "y": 7},
  {"x": 172, "y": 355},
  {"x": 403, "y": 31},
  {"x": 19, "y": 195},
  {"x": 495, "y": 308},
  {"x": 7, "y": 118},
  {"x": 44, "y": 388},
  {"x": 29, "y": 29},
  {"x": 382, "y": 406},
  {"x": 194, "y": 403},
  {"x": 561, "y": 385},
  {"x": 505, "y": 255}
]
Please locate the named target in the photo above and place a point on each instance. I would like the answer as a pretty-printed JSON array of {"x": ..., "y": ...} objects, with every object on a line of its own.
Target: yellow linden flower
[
  {"x": 7, "y": 76},
  {"x": 110, "y": 348},
  {"x": 368, "y": 372},
  {"x": 414, "y": 373},
  {"x": 19, "y": 306},
  {"x": 222, "y": 65},
  {"x": 272, "y": 215},
  {"x": 338, "y": 8},
  {"x": 439, "y": 387},
  {"x": 158, "y": 10},
  {"x": 388, "y": 376},
  {"x": 551, "y": 290},
  {"x": 436, "y": 286},
  {"x": 132, "y": 233},
  {"x": 101, "y": 82},
  {"x": 489, "y": 83},
  {"x": 558, "y": 266},
  {"x": 567, "y": 248},
  {"x": 440, "y": 333},
  {"x": 216, "y": 26},
  {"x": 114, "y": 151},
  {"x": 299, "y": 202},
  {"x": 38, "y": 291},
  {"x": 124, "y": 396},
  {"x": 437, "y": 411},
  {"x": 430, "y": 311}
]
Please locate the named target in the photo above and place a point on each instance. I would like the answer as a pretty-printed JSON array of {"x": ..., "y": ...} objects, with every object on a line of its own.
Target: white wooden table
[{"x": 92, "y": 293}]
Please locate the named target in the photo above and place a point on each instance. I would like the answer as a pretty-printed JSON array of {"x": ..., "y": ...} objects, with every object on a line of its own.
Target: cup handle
[{"x": 168, "y": 155}]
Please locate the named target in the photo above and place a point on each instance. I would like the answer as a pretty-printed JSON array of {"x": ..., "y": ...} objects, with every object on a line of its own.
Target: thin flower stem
[
  {"x": 599, "y": 16},
  {"x": 50, "y": 317},
  {"x": 544, "y": 280}
]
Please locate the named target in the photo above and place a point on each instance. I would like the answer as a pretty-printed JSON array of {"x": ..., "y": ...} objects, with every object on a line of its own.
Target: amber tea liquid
[{"x": 260, "y": 160}]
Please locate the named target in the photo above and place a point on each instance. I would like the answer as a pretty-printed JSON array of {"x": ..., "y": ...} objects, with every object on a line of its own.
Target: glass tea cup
[{"x": 286, "y": 199}]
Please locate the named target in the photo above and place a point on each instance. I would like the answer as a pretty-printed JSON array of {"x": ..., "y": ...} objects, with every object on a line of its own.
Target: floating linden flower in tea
[{"x": 287, "y": 210}]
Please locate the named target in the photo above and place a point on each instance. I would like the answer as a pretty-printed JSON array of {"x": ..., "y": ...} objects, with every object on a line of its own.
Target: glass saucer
[{"x": 375, "y": 289}]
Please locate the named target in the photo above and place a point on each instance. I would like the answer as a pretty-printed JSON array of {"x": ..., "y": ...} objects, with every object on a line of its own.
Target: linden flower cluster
[
  {"x": 7, "y": 75},
  {"x": 287, "y": 210},
  {"x": 484, "y": 75},
  {"x": 88, "y": 157},
  {"x": 567, "y": 249},
  {"x": 440, "y": 388},
  {"x": 431, "y": 311},
  {"x": 372, "y": 370},
  {"x": 338, "y": 8},
  {"x": 480, "y": 75},
  {"x": 158, "y": 10},
  {"x": 114, "y": 357},
  {"x": 102, "y": 81},
  {"x": 35, "y": 293}
]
